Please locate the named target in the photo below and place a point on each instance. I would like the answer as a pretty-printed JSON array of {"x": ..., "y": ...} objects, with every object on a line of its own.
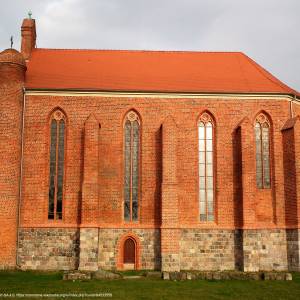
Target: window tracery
[
  {"x": 262, "y": 144},
  {"x": 131, "y": 166},
  {"x": 56, "y": 172},
  {"x": 206, "y": 167}
]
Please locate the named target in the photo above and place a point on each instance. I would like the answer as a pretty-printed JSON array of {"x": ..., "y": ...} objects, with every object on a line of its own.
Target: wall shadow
[
  {"x": 290, "y": 198},
  {"x": 238, "y": 199},
  {"x": 157, "y": 197},
  {"x": 79, "y": 207}
]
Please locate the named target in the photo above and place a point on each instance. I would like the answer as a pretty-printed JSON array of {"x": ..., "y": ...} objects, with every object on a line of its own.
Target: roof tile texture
[{"x": 149, "y": 71}]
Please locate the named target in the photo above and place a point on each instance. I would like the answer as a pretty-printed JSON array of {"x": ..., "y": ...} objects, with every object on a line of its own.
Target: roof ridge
[
  {"x": 269, "y": 76},
  {"x": 137, "y": 50}
]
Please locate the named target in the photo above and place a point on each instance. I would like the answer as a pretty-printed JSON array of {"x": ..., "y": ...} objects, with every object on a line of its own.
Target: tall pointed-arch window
[
  {"x": 262, "y": 143},
  {"x": 206, "y": 167},
  {"x": 131, "y": 166},
  {"x": 57, "y": 158}
]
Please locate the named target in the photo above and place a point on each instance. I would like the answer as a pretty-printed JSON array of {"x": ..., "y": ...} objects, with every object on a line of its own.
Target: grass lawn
[{"x": 42, "y": 283}]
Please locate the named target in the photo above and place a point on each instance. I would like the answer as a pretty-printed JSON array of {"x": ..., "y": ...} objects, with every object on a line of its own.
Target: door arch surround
[{"x": 128, "y": 242}]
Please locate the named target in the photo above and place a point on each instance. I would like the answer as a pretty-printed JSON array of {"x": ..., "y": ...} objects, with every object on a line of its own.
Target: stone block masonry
[
  {"x": 293, "y": 246},
  {"x": 85, "y": 248},
  {"x": 202, "y": 249},
  {"x": 88, "y": 249},
  {"x": 110, "y": 250},
  {"x": 265, "y": 250},
  {"x": 255, "y": 250},
  {"x": 48, "y": 249}
]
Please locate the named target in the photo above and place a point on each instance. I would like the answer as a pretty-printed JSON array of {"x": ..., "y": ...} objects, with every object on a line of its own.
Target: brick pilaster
[
  {"x": 248, "y": 172},
  {"x": 291, "y": 159},
  {"x": 170, "y": 234},
  {"x": 297, "y": 165},
  {"x": 88, "y": 259},
  {"x": 90, "y": 204},
  {"x": 250, "y": 254}
]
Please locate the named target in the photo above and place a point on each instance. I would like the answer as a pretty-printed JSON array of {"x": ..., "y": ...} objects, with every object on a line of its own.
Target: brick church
[{"x": 160, "y": 160}]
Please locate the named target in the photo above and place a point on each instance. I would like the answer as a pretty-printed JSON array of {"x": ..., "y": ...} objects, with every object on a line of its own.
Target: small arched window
[
  {"x": 57, "y": 157},
  {"x": 131, "y": 166},
  {"x": 262, "y": 143},
  {"x": 206, "y": 167}
]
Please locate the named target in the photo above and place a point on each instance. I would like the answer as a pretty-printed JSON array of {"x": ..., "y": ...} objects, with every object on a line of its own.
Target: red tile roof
[{"x": 149, "y": 71}]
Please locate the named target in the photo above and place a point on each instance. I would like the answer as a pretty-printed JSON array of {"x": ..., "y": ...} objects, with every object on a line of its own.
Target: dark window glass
[
  {"x": 53, "y": 136},
  {"x": 127, "y": 176},
  {"x": 258, "y": 155},
  {"x": 131, "y": 167},
  {"x": 60, "y": 171},
  {"x": 266, "y": 156},
  {"x": 135, "y": 170},
  {"x": 57, "y": 154},
  {"x": 262, "y": 142}
]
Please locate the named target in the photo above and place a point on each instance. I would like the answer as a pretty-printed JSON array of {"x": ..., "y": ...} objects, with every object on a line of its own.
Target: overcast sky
[{"x": 266, "y": 30}]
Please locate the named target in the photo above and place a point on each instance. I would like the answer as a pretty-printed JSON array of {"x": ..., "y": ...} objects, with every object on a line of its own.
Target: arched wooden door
[{"x": 129, "y": 254}]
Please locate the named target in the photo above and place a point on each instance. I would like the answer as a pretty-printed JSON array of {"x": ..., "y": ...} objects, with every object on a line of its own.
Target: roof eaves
[{"x": 91, "y": 90}]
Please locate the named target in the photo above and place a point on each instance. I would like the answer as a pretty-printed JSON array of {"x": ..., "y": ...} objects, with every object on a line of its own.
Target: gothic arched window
[
  {"x": 131, "y": 166},
  {"x": 206, "y": 167},
  {"x": 57, "y": 157},
  {"x": 262, "y": 142}
]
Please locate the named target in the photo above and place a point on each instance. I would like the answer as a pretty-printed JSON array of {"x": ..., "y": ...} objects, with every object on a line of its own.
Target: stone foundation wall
[
  {"x": 150, "y": 258},
  {"x": 88, "y": 257},
  {"x": 49, "y": 248},
  {"x": 208, "y": 249},
  {"x": 170, "y": 262},
  {"x": 200, "y": 249},
  {"x": 293, "y": 253},
  {"x": 248, "y": 250},
  {"x": 265, "y": 250}
]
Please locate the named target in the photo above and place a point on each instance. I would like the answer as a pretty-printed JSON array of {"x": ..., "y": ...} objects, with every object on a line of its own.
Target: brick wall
[
  {"x": 11, "y": 101},
  {"x": 290, "y": 181},
  {"x": 109, "y": 112},
  {"x": 170, "y": 233},
  {"x": 295, "y": 109},
  {"x": 269, "y": 207}
]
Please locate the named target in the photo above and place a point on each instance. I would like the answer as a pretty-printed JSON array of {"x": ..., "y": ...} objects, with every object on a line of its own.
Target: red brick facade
[
  {"x": 11, "y": 91},
  {"x": 168, "y": 207}
]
